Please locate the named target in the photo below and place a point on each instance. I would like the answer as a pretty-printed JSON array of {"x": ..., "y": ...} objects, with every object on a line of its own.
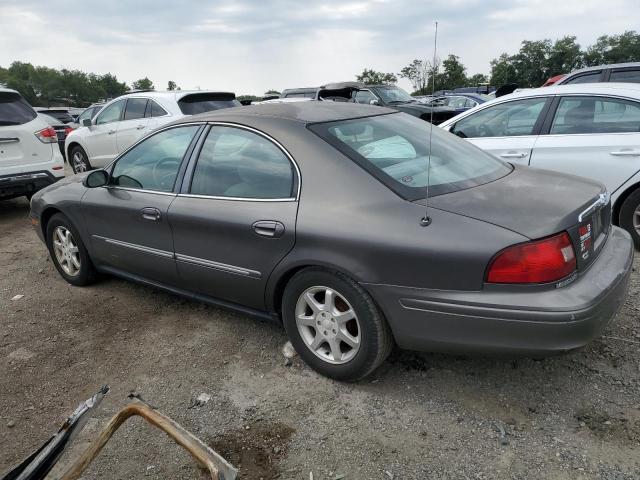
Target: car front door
[
  {"x": 134, "y": 125},
  {"x": 235, "y": 218},
  {"x": 127, "y": 220},
  {"x": 507, "y": 130},
  {"x": 100, "y": 140},
  {"x": 594, "y": 137}
]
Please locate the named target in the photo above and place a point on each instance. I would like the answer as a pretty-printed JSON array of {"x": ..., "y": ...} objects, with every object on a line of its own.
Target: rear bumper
[
  {"x": 532, "y": 322},
  {"x": 19, "y": 184}
]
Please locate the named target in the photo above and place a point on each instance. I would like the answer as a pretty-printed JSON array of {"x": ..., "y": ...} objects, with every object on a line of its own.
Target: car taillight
[
  {"x": 539, "y": 261},
  {"x": 67, "y": 131},
  {"x": 47, "y": 135}
]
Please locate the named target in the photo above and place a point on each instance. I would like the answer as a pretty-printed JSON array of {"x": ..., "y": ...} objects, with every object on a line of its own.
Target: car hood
[{"x": 534, "y": 203}]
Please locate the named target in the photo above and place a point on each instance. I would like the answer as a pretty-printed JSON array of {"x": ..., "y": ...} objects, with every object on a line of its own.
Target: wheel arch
[
  {"x": 45, "y": 216},
  {"x": 72, "y": 145},
  {"x": 615, "y": 219}
]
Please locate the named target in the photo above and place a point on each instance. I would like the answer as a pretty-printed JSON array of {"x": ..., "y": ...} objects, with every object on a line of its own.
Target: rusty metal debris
[{"x": 37, "y": 465}]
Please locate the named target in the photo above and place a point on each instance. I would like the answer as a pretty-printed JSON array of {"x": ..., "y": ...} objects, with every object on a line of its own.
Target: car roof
[
  {"x": 628, "y": 89},
  {"x": 602, "y": 67},
  {"x": 171, "y": 94},
  {"x": 300, "y": 112},
  {"x": 51, "y": 109},
  {"x": 8, "y": 90}
]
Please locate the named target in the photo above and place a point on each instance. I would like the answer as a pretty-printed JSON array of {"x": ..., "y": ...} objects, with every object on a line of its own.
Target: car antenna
[{"x": 426, "y": 220}]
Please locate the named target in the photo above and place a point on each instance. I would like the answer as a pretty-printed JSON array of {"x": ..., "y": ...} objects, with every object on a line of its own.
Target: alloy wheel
[
  {"x": 328, "y": 324},
  {"x": 66, "y": 251},
  {"x": 79, "y": 163}
]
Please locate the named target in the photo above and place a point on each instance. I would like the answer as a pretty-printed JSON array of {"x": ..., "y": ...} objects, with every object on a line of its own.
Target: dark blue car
[{"x": 461, "y": 102}]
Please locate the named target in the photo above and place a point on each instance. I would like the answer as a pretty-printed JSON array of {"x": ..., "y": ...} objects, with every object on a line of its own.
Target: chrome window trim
[
  {"x": 244, "y": 199},
  {"x": 134, "y": 246},
  {"x": 246, "y": 272},
  {"x": 140, "y": 190},
  {"x": 603, "y": 199}
]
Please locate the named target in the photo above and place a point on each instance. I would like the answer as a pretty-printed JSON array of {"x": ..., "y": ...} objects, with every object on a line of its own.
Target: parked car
[
  {"x": 617, "y": 72},
  {"x": 62, "y": 129},
  {"x": 460, "y": 102},
  {"x": 59, "y": 113},
  {"x": 126, "y": 119},
  {"x": 87, "y": 113},
  {"x": 299, "y": 93},
  {"x": 29, "y": 156},
  {"x": 75, "y": 112},
  {"x": 313, "y": 213},
  {"x": 591, "y": 130},
  {"x": 389, "y": 96}
]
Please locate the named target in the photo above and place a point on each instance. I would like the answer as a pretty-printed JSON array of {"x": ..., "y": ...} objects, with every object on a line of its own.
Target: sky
[{"x": 250, "y": 46}]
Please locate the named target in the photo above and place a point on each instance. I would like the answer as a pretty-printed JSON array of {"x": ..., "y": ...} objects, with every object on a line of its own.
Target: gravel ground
[{"x": 420, "y": 416}]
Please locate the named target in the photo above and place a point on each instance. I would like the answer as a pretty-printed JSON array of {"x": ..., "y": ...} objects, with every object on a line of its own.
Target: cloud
[{"x": 249, "y": 46}]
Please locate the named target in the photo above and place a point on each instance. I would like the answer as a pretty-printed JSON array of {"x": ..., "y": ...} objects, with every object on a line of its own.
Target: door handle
[
  {"x": 626, "y": 152},
  {"x": 268, "y": 228},
  {"x": 111, "y": 132},
  {"x": 139, "y": 127},
  {"x": 150, "y": 213},
  {"x": 513, "y": 155}
]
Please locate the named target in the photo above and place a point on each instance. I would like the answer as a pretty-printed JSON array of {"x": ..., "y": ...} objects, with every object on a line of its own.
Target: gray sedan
[{"x": 313, "y": 214}]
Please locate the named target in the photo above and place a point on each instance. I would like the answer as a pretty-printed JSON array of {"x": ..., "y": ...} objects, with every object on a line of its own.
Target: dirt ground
[{"x": 420, "y": 416}]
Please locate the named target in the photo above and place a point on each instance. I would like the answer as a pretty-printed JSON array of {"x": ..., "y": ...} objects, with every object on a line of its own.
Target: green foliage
[
  {"x": 614, "y": 49},
  {"x": 372, "y": 77},
  {"x": 142, "y": 84},
  {"x": 417, "y": 72},
  {"x": 172, "y": 85},
  {"x": 43, "y": 86},
  {"x": 271, "y": 92}
]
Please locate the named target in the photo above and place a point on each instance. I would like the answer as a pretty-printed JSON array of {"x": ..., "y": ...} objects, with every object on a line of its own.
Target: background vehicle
[
  {"x": 460, "y": 102},
  {"x": 62, "y": 129},
  {"x": 282, "y": 207},
  {"x": 29, "y": 155},
  {"x": 591, "y": 130},
  {"x": 87, "y": 113},
  {"x": 123, "y": 121},
  {"x": 385, "y": 96},
  {"x": 617, "y": 72},
  {"x": 299, "y": 93},
  {"x": 59, "y": 113}
]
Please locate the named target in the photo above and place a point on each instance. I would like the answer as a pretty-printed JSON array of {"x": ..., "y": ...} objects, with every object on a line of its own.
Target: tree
[
  {"x": 271, "y": 92},
  {"x": 565, "y": 55},
  {"x": 370, "y": 76},
  {"x": 614, "y": 49},
  {"x": 142, "y": 84},
  {"x": 453, "y": 75},
  {"x": 417, "y": 72},
  {"x": 172, "y": 85},
  {"x": 477, "y": 79}
]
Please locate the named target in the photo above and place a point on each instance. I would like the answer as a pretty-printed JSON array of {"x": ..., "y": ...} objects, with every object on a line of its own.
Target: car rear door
[
  {"x": 100, "y": 138},
  {"x": 134, "y": 125},
  {"x": 128, "y": 219},
  {"x": 591, "y": 136},
  {"x": 235, "y": 217},
  {"x": 507, "y": 130}
]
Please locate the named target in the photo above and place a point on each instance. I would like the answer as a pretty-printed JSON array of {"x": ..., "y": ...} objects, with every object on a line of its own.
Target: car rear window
[
  {"x": 395, "y": 149},
  {"x": 59, "y": 115},
  {"x": 206, "y": 102},
  {"x": 14, "y": 110}
]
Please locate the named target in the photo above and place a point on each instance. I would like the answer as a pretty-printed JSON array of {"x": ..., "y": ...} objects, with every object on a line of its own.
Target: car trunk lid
[{"x": 536, "y": 204}]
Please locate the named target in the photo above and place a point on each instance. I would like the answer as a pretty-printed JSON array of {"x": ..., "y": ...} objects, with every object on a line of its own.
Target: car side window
[
  {"x": 88, "y": 114},
  {"x": 154, "y": 110},
  {"x": 576, "y": 115},
  {"x": 153, "y": 163},
  {"x": 364, "y": 96},
  {"x": 591, "y": 77},
  {"x": 112, "y": 113},
  {"x": 627, "y": 75},
  {"x": 238, "y": 163},
  {"x": 135, "y": 108},
  {"x": 508, "y": 119}
]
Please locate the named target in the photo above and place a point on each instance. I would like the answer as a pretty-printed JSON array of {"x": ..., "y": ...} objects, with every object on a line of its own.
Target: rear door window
[
  {"x": 580, "y": 115},
  {"x": 14, "y": 110},
  {"x": 112, "y": 113},
  {"x": 591, "y": 77},
  {"x": 206, "y": 102},
  {"x": 154, "y": 110},
  {"x": 135, "y": 108},
  {"x": 627, "y": 75},
  {"x": 508, "y": 119}
]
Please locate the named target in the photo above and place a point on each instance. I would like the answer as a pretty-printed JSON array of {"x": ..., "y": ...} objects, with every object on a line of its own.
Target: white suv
[
  {"x": 29, "y": 155},
  {"x": 126, "y": 119}
]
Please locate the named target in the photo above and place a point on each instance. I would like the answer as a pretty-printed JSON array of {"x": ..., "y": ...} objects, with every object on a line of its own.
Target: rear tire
[
  {"x": 630, "y": 216},
  {"x": 68, "y": 253},
  {"x": 79, "y": 160},
  {"x": 344, "y": 338}
]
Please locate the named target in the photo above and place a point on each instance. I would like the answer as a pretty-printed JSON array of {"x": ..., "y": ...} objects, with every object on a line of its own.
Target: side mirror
[
  {"x": 98, "y": 178},
  {"x": 374, "y": 102},
  {"x": 86, "y": 122}
]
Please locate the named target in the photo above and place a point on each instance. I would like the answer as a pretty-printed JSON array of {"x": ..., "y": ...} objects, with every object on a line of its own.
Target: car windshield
[
  {"x": 394, "y": 95},
  {"x": 395, "y": 149},
  {"x": 14, "y": 110}
]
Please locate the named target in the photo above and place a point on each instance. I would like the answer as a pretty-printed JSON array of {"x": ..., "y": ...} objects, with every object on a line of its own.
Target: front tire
[
  {"x": 68, "y": 253},
  {"x": 630, "y": 216},
  {"x": 79, "y": 160},
  {"x": 334, "y": 325}
]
